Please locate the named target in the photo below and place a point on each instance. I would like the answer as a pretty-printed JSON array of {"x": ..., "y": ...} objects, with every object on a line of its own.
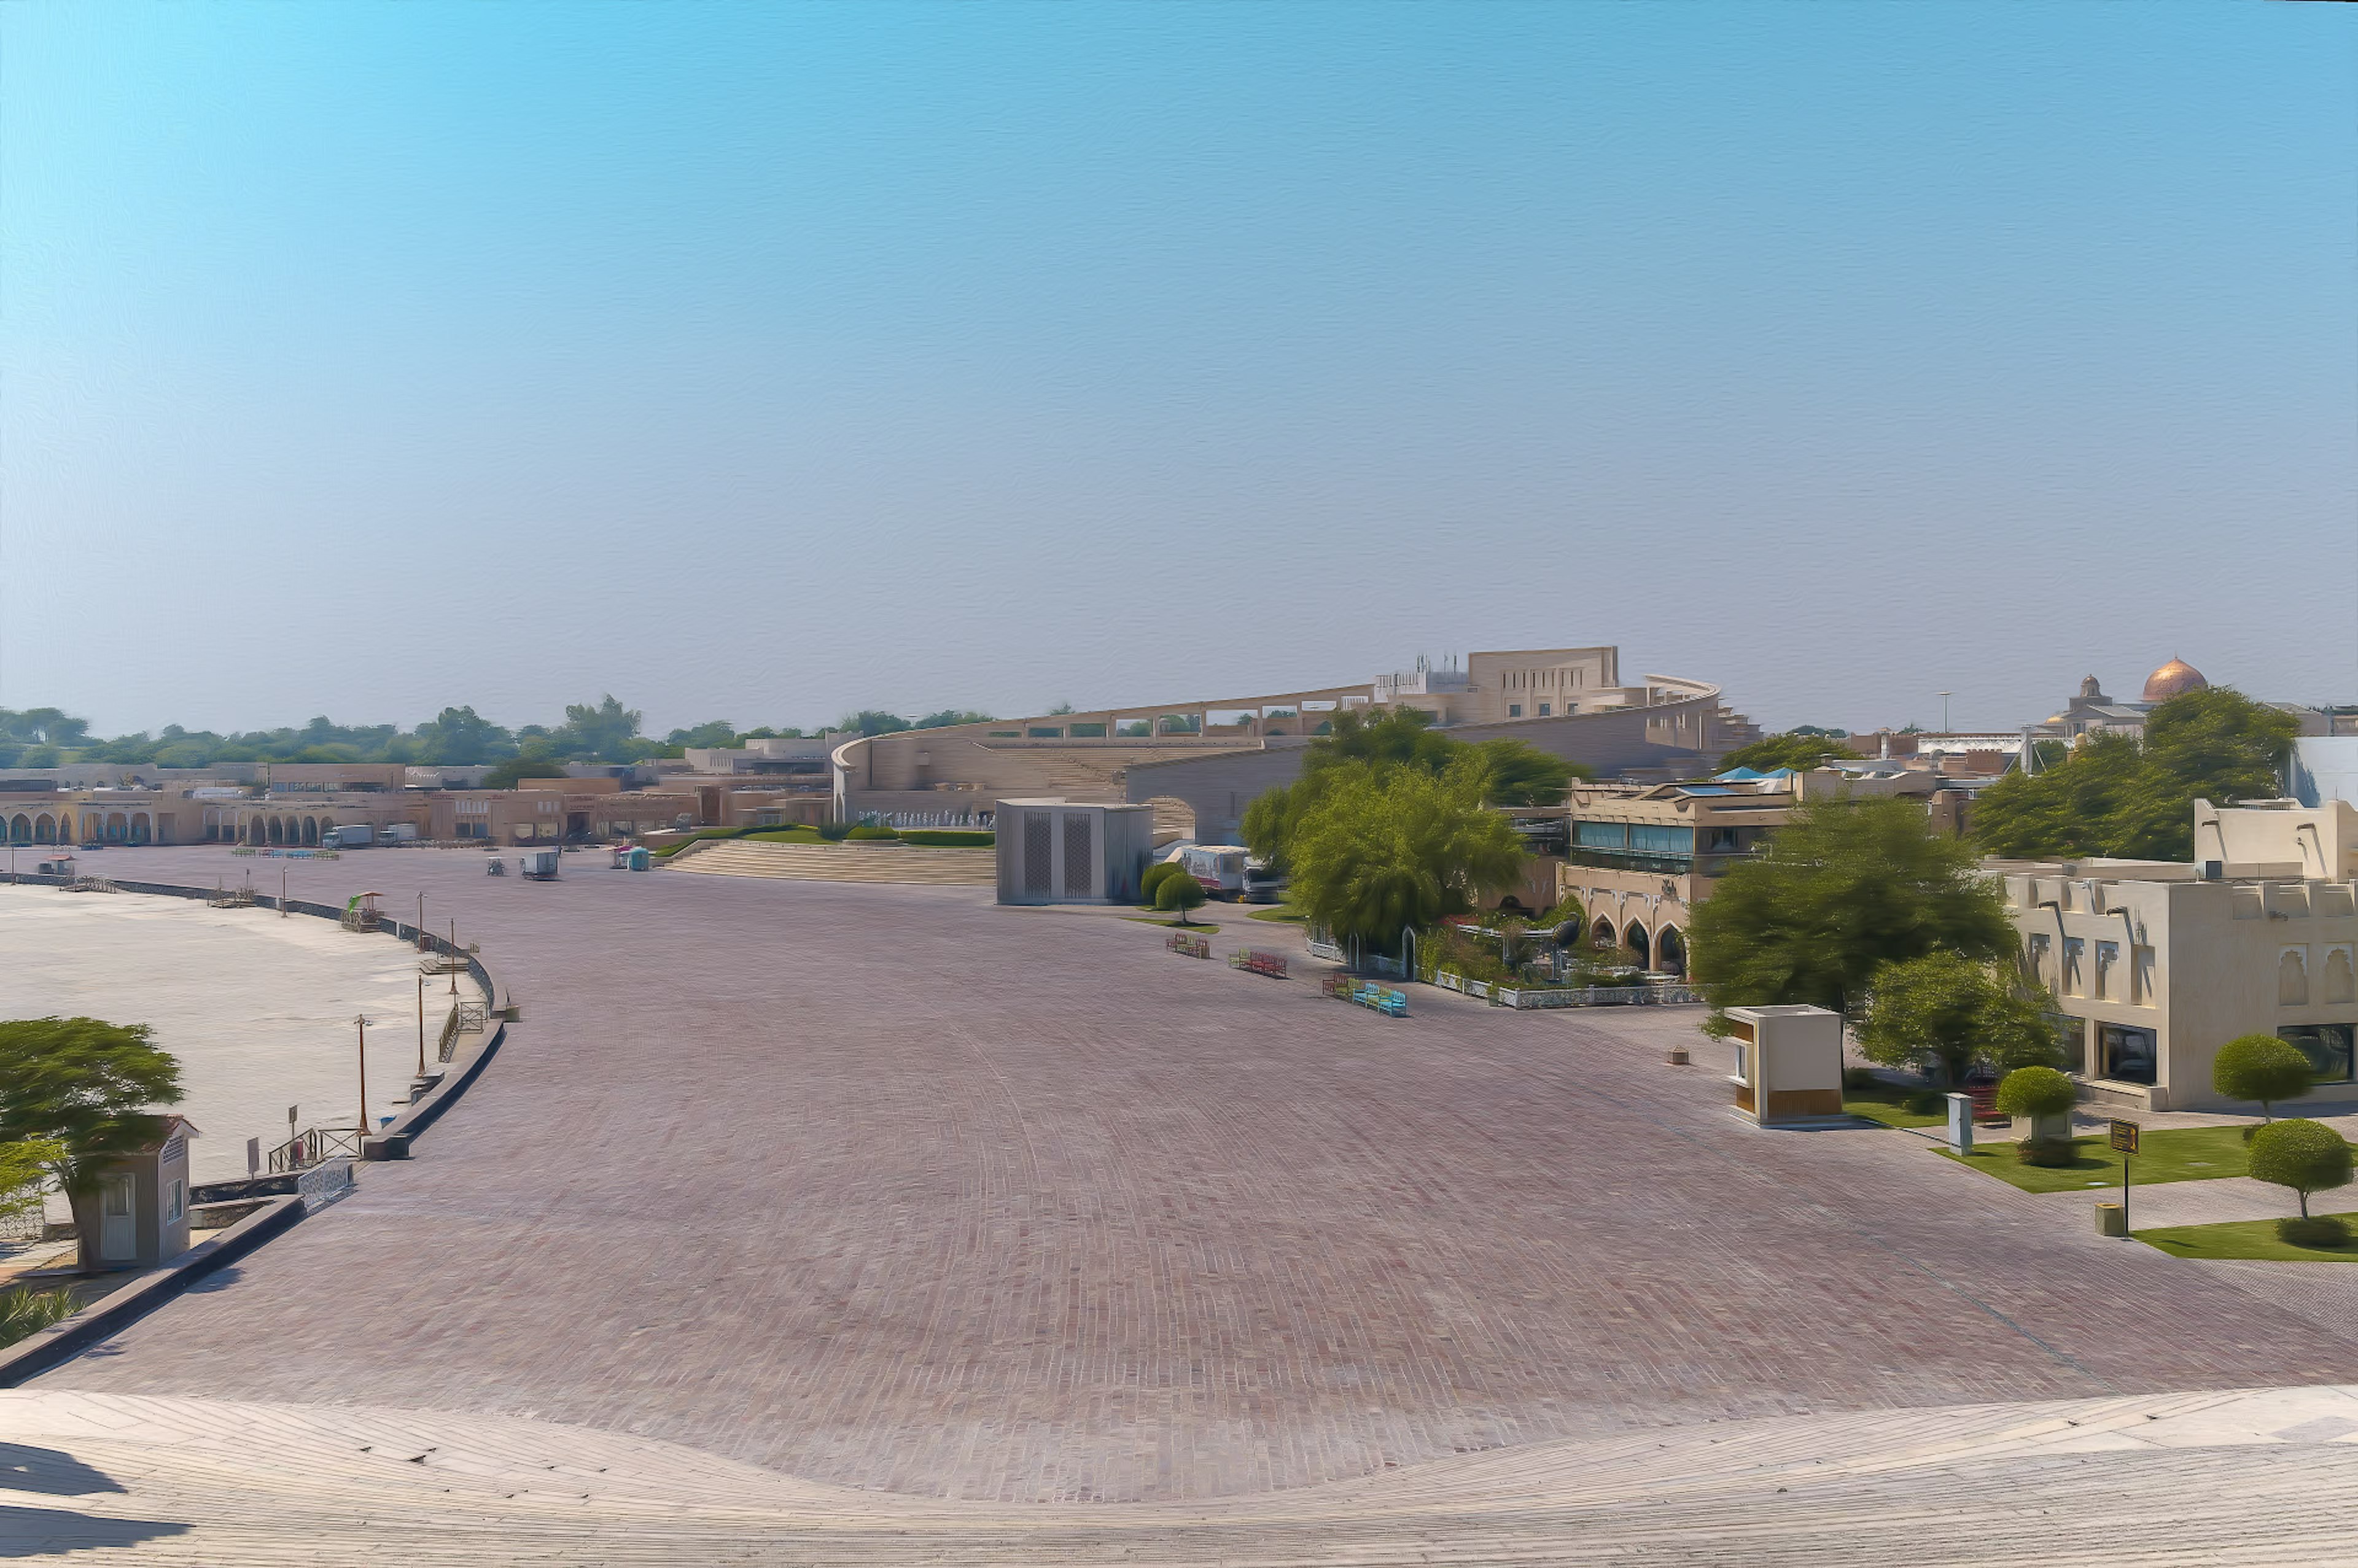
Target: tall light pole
[
  {"x": 454, "y": 963},
  {"x": 1944, "y": 713},
  {"x": 421, "y": 1024},
  {"x": 421, "y": 923},
  {"x": 362, "y": 1021}
]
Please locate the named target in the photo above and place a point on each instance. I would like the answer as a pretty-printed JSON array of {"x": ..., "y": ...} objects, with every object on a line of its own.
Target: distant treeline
[{"x": 604, "y": 731}]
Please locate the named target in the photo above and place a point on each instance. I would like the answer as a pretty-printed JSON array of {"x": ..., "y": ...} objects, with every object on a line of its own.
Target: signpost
[{"x": 2125, "y": 1143}]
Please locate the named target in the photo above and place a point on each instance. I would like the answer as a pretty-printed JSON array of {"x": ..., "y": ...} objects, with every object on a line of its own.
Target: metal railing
[{"x": 313, "y": 1144}]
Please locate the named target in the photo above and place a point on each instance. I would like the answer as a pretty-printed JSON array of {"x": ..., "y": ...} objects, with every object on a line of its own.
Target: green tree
[
  {"x": 87, "y": 1087},
  {"x": 24, "y": 1172},
  {"x": 1842, "y": 888},
  {"x": 2264, "y": 1068},
  {"x": 1384, "y": 848},
  {"x": 1799, "y": 749},
  {"x": 2112, "y": 796},
  {"x": 714, "y": 732},
  {"x": 504, "y": 775},
  {"x": 873, "y": 721},
  {"x": 1178, "y": 895},
  {"x": 1516, "y": 772},
  {"x": 602, "y": 733},
  {"x": 459, "y": 737},
  {"x": 2307, "y": 1156},
  {"x": 1940, "y": 1012},
  {"x": 949, "y": 716}
]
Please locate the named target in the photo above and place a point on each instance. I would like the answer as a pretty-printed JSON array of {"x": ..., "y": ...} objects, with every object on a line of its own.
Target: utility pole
[
  {"x": 454, "y": 963},
  {"x": 362, "y": 1021},
  {"x": 421, "y": 1025},
  {"x": 421, "y": 923}
]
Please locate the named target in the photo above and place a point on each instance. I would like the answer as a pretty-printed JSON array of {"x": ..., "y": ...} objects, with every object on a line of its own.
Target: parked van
[{"x": 1263, "y": 883}]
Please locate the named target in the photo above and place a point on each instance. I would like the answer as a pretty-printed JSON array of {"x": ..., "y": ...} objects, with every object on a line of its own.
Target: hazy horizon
[{"x": 772, "y": 363}]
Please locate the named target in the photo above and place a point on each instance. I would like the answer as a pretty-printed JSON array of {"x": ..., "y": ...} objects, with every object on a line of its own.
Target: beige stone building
[{"x": 2155, "y": 965}]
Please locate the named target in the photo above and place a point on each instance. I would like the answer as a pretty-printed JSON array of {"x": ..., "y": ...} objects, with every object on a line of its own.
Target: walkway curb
[{"x": 110, "y": 1315}]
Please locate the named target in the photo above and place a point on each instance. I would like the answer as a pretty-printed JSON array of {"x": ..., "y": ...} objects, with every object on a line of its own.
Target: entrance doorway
[{"x": 118, "y": 1240}]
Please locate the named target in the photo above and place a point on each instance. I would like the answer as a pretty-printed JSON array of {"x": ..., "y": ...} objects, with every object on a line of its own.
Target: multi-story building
[{"x": 2155, "y": 965}]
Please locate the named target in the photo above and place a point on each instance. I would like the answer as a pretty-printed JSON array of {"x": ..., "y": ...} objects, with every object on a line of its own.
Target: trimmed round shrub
[
  {"x": 2036, "y": 1091},
  {"x": 2307, "y": 1156},
  {"x": 2056, "y": 1153},
  {"x": 2261, "y": 1067},
  {"x": 2317, "y": 1230},
  {"x": 1156, "y": 875},
  {"x": 1179, "y": 894}
]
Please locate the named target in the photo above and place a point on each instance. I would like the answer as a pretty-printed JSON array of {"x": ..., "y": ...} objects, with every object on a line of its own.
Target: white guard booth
[
  {"x": 1788, "y": 1063},
  {"x": 1053, "y": 851}
]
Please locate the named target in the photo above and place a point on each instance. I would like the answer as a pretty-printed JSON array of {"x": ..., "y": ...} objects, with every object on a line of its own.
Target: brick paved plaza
[{"x": 893, "y": 1188}]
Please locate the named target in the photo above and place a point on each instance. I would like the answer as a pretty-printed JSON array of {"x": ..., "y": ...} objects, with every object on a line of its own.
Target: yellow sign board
[{"x": 2124, "y": 1137}]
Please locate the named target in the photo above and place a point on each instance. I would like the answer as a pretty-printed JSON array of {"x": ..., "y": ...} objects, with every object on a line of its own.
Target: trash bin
[{"x": 2111, "y": 1220}]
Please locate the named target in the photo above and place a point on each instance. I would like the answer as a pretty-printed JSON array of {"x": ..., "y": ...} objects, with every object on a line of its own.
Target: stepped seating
[
  {"x": 2259, "y": 1476},
  {"x": 908, "y": 863}
]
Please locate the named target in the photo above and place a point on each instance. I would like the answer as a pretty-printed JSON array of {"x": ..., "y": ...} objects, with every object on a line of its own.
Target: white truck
[
  {"x": 348, "y": 835},
  {"x": 397, "y": 833},
  {"x": 1220, "y": 867}
]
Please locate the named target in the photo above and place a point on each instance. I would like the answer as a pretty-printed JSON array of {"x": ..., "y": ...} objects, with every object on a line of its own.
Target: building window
[
  {"x": 2141, "y": 975},
  {"x": 2327, "y": 1046},
  {"x": 2125, "y": 1053},
  {"x": 1544, "y": 710},
  {"x": 2292, "y": 978},
  {"x": 2038, "y": 953},
  {"x": 2075, "y": 949},
  {"x": 2108, "y": 954},
  {"x": 175, "y": 1202},
  {"x": 1514, "y": 711}
]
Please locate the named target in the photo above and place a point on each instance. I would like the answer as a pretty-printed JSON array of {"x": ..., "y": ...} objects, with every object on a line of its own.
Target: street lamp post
[
  {"x": 362, "y": 1021},
  {"x": 454, "y": 963},
  {"x": 1945, "y": 712},
  {"x": 421, "y": 1025},
  {"x": 421, "y": 923}
]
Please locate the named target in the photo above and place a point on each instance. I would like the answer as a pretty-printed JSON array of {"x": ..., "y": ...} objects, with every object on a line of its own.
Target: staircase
[{"x": 907, "y": 863}]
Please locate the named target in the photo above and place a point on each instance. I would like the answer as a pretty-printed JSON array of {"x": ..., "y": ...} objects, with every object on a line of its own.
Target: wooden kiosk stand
[{"x": 1789, "y": 1063}]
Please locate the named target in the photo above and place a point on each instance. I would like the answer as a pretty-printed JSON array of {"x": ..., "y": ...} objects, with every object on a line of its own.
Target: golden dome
[{"x": 2171, "y": 679}]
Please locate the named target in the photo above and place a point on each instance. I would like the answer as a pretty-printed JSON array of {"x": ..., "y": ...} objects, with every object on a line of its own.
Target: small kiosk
[
  {"x": 139, "y": 1211},
  {"x": 1788, "y": 1063}
]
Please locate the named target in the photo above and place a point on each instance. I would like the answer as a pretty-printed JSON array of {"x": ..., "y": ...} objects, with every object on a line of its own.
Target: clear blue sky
[{"x": 764, "y": 361}]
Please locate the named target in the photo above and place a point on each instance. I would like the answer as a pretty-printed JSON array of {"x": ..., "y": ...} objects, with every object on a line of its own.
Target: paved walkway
[
  {"x": 887, "y": 1188},
  {"x": 2258, "y": 1476}
]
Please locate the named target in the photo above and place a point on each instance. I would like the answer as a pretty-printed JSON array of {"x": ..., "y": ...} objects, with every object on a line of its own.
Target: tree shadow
[
  {"x": 23, "y": 1468},
  {"x": 49, "y": 1532}
]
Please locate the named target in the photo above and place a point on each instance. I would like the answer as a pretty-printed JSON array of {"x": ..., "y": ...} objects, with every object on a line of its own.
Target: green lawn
[
  {"x": 2241, "y": 1239},
  {"x": 2166, "y": 1154},
  {"x": 1277, "y": 912},
  {"x": 1203, "y": 925},
  {"x": 1887, "y": 1103},
  {"x": 788, "y": 836}
]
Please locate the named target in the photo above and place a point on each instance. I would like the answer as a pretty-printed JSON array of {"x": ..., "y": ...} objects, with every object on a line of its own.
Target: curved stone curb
[{"x": 117, "y": 1310}]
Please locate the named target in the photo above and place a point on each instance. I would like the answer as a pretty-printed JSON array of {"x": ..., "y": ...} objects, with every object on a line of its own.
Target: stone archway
[
  {"x": 1670, "y": 951},
  {"x": 310, "y": 831},
  {"x": 1602, "y": 934},
  {"x": 140, "y": 830},
  {"x": 1174, "y": 818},
  {"x": 1636, "y": 940},
  {"x": 277, "y": 831},
  {"x": 45, "y": 830},
  {"x": 20, "y": 830}
]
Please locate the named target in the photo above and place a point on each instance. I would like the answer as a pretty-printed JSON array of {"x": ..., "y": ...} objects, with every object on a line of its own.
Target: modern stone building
[
  {"x": 2155, "y": 965},
  {"x": 1199, "y": 763}
]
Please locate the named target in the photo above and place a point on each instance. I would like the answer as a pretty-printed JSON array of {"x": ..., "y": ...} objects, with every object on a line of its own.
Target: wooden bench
[
  {"x": 1192, "y": 946},
  {"x": 1269, "y": 964}
]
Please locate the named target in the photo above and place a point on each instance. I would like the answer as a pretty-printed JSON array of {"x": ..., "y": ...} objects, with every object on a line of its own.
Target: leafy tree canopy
[
  {"x": 949, "y": 716},
  {"x": 1800, "y": 750},
  {"x": 873, "y": 721},
  {"x": 2115, "y": 796},
  {"x": 24, "y": 1170},
  {"x": 1381, "y": 849},
  {"x": 1843, "y": 888},
  {"x": 87, "y": 1087},
  {"x": 2307, "y": 1156},
  {"x": 1498, "y": 773},
  {"x": 1939, "y": 1013},
  {"x": 2261, "y": 1067},
  {"x": 717, "y": 732}
]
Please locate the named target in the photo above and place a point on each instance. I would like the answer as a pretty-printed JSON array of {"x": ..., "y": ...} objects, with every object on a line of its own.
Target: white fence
[{"x": 1531, "y": 996}]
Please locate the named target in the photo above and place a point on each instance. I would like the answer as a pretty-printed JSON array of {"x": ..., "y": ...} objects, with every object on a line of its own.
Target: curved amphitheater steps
[
  {"x": 841, "y": 862},
  {"x": 2261, "y": 1476}
]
